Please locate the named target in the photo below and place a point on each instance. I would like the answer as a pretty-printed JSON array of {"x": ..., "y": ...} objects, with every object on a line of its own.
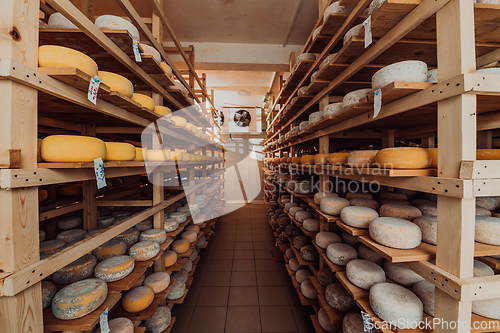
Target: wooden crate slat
[
  {"x": 354, "y": 291},
  {"x": 73, "y": 77},
  {"x": 127, "y": 282},
  {"x": 423, "y": 252}
]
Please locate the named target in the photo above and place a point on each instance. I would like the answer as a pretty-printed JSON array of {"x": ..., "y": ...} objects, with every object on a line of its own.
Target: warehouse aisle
[{"x": 238, "y": 287}]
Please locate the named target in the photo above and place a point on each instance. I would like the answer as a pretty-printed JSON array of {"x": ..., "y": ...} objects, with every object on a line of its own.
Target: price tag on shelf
[
  {"x": 99, "y": 173},
  {"x": 137, "y": 54},
  {"x": 368, "y": 31},
  {"x": 93, "y": 89},
  {"x": 104, "y": 322},
  {"x": 377, "y": 102},
  {"x": 367, "y": 322}
]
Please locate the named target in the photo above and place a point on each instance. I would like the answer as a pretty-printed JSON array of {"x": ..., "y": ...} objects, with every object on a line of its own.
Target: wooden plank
[
  {"x": 331, "y": 265},
  {"x": 124, "y": 203},
  {"x": 328, "y": 218},
  {"x": 335, "y": 20},
  {"x": 73, "y": 77},
  {"x": 317, "y": 326},
  {"x": 177, "y": 266},
  {"x": 127, "y": 282},
  {"x": 351, "y": 230},
  {"x": 355, "y": 292},
  {"x": 10, "y": 158},
  {"x": 423, "y": 252}
]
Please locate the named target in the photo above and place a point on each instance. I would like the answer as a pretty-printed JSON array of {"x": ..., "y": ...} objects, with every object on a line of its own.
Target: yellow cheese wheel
[
  {"x": 78, "y": 270},
  {"x": 179, "y": 121},
  {"x": 60, "y": 56},
  {"x": 488, "y": 154},
  {"x": 146, "y": 101},
  {"x": 403, "y": 158},
  {"x": 186, "y": 157},
  {"x": 189, "y": 126},
  {"x": 289, "y": 160},
  {"x": 170, "y": 258},
  {"x": 112, "y": 248},
  {"x": 180, "y": 246},
  {"x": 283, "y": 160},
  {"x": 192, "y": 227},
  {"x": 79, "y": 299},
  {"x": 144, "y": 250},
  {"x": 294, "y": 160},
  {"x": 114, "y": 268},
  {"x": 307, "y": 159},
  {"x": 162, "y": 110},
  {"x": 321, "y": 158},
  {"x": 190, "y": 236},
  {"x": 362, "y": 158},
  {"x": 119, "y": 325},
  {"x": 175, "y": 156},
  {"x": 157, "y": 155},
  {"x": 433, "y": 153},
  {"x": 72, "y": 148},
  {"x": 166, "y": 68},
  {"x": 139, "y": 154},
  {"x": 120, "y": 151},
  {"x": 138, "y": 299},
  {"x": 157, "y": 281},
  {"x": 117, "y": 83},
  {"x": 39, "y": 158},
  {"x": 338, "y": 158},
  {"x": 42, "y": 195}
]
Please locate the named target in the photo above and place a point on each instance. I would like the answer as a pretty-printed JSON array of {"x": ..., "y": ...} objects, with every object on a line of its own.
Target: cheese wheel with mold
[
  {"x": 180, "y": 246},
  {"x": 364, "y": 203},
  {"x": 119, "y": 325},
  {"x": 489, "y": 308},
  {"x": 359, "y": 195},
  {"x": 401, "y": 274},
  {"x": 79, "y": 299},
  {"x": 364, "y": 252},
  {"x": 487, "y": 230},
  {"x": 71, "y": 236},
  {"x": 425, "y": 291},
  {"x": 338, "y": 298},
  {"x": 340, "y": 253},
  {"x": 324, "y": 322},
  {"x": 145, "y": 250},
  {"x": 482, "y": 211},
  {"x": 160, "y": 320},
  {"x": 60, "y": 56},
  {"x": 78, "y": 270},
  {"x": 59, "y": 21},
  {"x": 353, "y": 323},
  {"x": 395, "y": 233},
  {"x": 428, "y": 226},
  {"x": 170, "y": 225},
  {"x": 68, "y": 223},
  {"x": 49, "y": 290},
  {"x": 311, "y": 225},
  {"x": 112, "y": 248},
  {"x": 114, "y": 268},
  {"x": 170, "y": 258},
  {"x": 325, "y": 238},
  {"x": 403, "y": 158},
  {"x": 358, "y": 217},
  {"x": 193, "y": 255},
  {"x": 144, "y": 225},
  {"x": 308, "y": 290},
  {"x": 294, "y": 210},
  {"x": 302, "y": 275},
  {"x": 338, "y": 158},
  {"x": 364, "y": 274},
  {"x": 351, "y": 240},
  {"x": 188, "y": 266},
  {"x": 192, "y": 227},
  {"x": 301, "y": 216},
  {"x": 400, "y": 211},
  {"x": 182, "y": 276},
  {"x": 129, "y": 236},
  {"x": 138, "y": 299},
  {"x": 117, "y": 23},
  {"x": 320, "y": 195},
  {"x": 490, "y": 203},
  {"x": 155, "y": 235},
  {"x": 52, "y": 246},
  {"x": 428, "y": 208},
  {"x": 201, "y": 242},
  {"x": 190, "y": 236},
  {"x": 333, "y": 205},
  {"x": 362, "y": 158},
  {"x": 177, "y": 291},
  {"x": 117, "y": 83},
  {"x": 104, "y": 222},
  {"x": 300, "y": 241},
  {"x": 309, "y": 253},
  {"x": 289, "y": 253},
  {"x": 481, "y": 269},
  {"x": 158, "y": 281},
  {"x": 321, "y": 158},
  {"x": 294, "y": 265},
  {"x": 325, "y": 276},
  {"x": 290, "y": 205}
]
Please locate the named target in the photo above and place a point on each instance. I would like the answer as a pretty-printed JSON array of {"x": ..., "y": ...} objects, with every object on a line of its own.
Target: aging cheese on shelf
[
  {"x": 403, "y": 158},
  {"x": 321, "y": 158},
  {"x": 157, "y": 281},
  {"x": 325, "y": 238},
  {"x": 364, "y": 274},
  {"x": 333, "y": 205},
  {"x": 49, "y": 290},
  {"x": 311, "y": 225},
  {"x": 340, "y": 253},
  {"x": 117, "y": 83},
  {"x": 481, "y": 269},
  {"x": 308, "y": 290},
  {"x": 69, "y": 190},
  {"x": 295, "y": 210},
  {"x": 428, "y": 226},
  {"x": 162, "y": 110},
  {"x": 182, "y": 276},
  {"x": 406, "y": 212},
  {"x": 179, "y": 121},
  {"x": 156, "y": 235},
  {"x": 78, "y": 270},
  {"x": 119, "y": 151},
  {"x": 121, "y": 215},
  {"x": 72, "y": 148},
  {"x": 79, "y": 299},
  {"x": 489, "y": 308},
  {"x": 41, "y": 235},
  {"x": 289, "y": 253},
  {"x": 490, "y": 203},
  {"x": 364, "y": 252},
  {"x": 190, "y": 236},
  {"x": 170, "y": 258},
  {"x": 395, "y": 233},
  {"x": 114, "y": 268},
  {"x": 71, "y": 236},
  {"x": 145, "y": 101},
  {"x": 425, "y": 291},
  {"x": 191, "y": 227},
  {"x": 324, "y": 322},
  {"x": 393, "y": 303},
  {"x": 309, "y": 253},
  {"x": 320, "y": 195},
  {"x": 358, "y": 217},
  {"x": 42, "y": 195},
  {"x": 139, "y": 154},
  {"x": 307, "y": 159},
  {"x": 149, "y": 50},
  {"x": 52, "y": 246},
  {"x": 193, "y": 255},
  {"x": 201, "y": 242},
  {"x": 326, "y": 276},
  {"x": 119, "y": 325},
  {"x": 362, "y": 158},
  {"x": 300, "y": 241},
  {"x": 157, "y": 155},
  {"x": 338, "y": 298},
  {"x": 364, "y": 203},
  {"x": 177, "y": 291},
  {"x": 405, "y": 71},
  {"x": 294, "y": 265},
  {"x": 160, "y": 320},
  {"x": 488, "y": 154},
  {"x": 112, "y": 248},
  {"x": 138, "y": 299},
  {"x": 58, "y": 21},
  {"x": 170, "y": 225},
  {"x": 487, "y": 230},
  {"x": 352, "y": 323},
  {"x": 144, "y": 225},
  {"x": 129, "y": 236},
  {"x": 338, "y": 158},
  {"x": 428, "y": 208},
  {"x": 290, "y": 205},
  {"x": 180, "y": 246},
  {"x": 104, "y": 222},
  {"x": 117, "y": 23},
  {"x": 302, "y": 275},
  {"x": 68, "y": 223},
  {"x": 166, "y": 68},
  {"x": 401, "y": 274},
  {"x": 60, "y": 56},
  {"x": 433, "y": 153},
  {"x": 145, "y": 250},
  {"x": 188, "y": 266},
  {"x": 353, "y": 97}
]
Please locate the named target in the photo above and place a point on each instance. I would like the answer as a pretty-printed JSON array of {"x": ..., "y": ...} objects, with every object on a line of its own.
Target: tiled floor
[{"x": 238, "y": 287}]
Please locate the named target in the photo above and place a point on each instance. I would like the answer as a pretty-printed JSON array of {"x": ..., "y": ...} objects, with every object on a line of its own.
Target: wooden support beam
[
  {"x": 388, "y": 139},
  {"x": 87, "y": 8},
  {"x": 10, "y": 158},
  {"x": 125, "y": 203}
]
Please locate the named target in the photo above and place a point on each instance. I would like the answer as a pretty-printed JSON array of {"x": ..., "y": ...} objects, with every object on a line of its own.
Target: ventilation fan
[
  {"x": 219, "y": 117},
  {"x": 242, "y": 118}
]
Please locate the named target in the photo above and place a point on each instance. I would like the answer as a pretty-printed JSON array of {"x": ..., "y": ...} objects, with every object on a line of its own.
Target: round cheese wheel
[
  {"x": 489, "y": 308},
  {"x": 340, "y": 253},
  {"x": 400, "y": 211},
  {"x": 353, "y": 97},
  {"x": 325, "y": 276},
  {"x": 193, "y": 255},
  {"x": 481, "y": 269},
  {"x": 289, "y": 253},
  {"x": 309, "y": 253},
  {"x": 487, "y": 230},
  {"x": 157, "y": 155},
  {"x": 311, "y": 225},
  {"x": 307, "y": 289},
  {"x": 428, "y": 226},
  {"x": 166, "y": 68},
  {"x": 42, "y": 195},
  {"x": 79, "y": 299},
  {"x": 289, "y": 230},
  {"x": 300, "y": 241},
  {"x": 490, "y": 203},
  {"x": 401, "y": 274},
  {"x": 338, "y": 298},
  {"x": 52, "y": 246},
  {"x": 284, "y": 221},
  {"x": 71, "y": 236},
  {"x": 117, "y": 83},
  {"x": 145, "y": 250},
  {"x": 129, "y": 236},
  {"x": 290, "y": 205},
  {"x": 405, "y": 71},
  {"x": 155, "y": 235},
  {"x": 117, "y": 23},
  {"x": 301, "y": 216},
  {"x": 58, "y": 21},
  {"x": 121, "y": 215},
  {"x": 320, "y": 195},
  {"x": 338, "y": 158},
  {"x": 307, "y": 159},
  {"x": 177, "y": 291},
  {"x": 294, "y": 265},
  {"x": 425, "y": 291},
  {"x": 428, "y": 208},
  {"x": 145, "y": 101},
  {"x": 321, "y": 158},
  {"x": 138, "y": 299},
  {"x": 324, "y": 320},
  {"x": 170, "y": 258},
  {"x": 119, "y": 151},
  {"x": 170, "y": 225},
  {"x": 488, "y": 154},
  {"x": 60, "y": 56},
  {"x": 49, "y": 290},
  {"x": 162, "y": 110},
  {"x": 160, "y": 320},
  {"x": 149, "y": 50},
  {"x": 104, "y": 222},
  {"x": 302, "y": 275},
  {"x": 201, "y": 242},
  {"x": 157, "y": 281},
  {"x": 119, "y": 325},
  {"x": 333, "y": 109},
  {"x": 114, "y": 268},
  {"x": 294, "y": 210},
  {"x": 68, "y": 223},
  {"x": 396, "y": 233},
  {"x": 403, "y": 158},
  {"x": 358, "y": 217},
  {"x": 364, "y": 252},
  {"x": 112, "y": 248},
  {"x": 351, "y": 240},
  {"x": 362, "y": 158},
  {"x": 364, "y": 274},
  {"x": 433, "y": 153},
  {"x": 325, "y": 238},
  {"x": 188, "y": 266},
  {"x": 190, "y": 236},
  {"x": 353, "y": 323},
  {"x": 314, "y": 118},
  {"x": 72, "y": 148},
  {"x": 482, "y": 211},
  {"x": 191, "y": 227},
  {"x": 179, "y": 121},
  {"x": 364, "y": 203},
  {"x": 182, "y": 276},
  {"x": 180, "y": 246},
  {"x": 41, "y": 235},
  {"x": 179, "y": 216},
  {"x": 333, "y": 205},
  {"x": 360, "y": 195},
  {"x": 78, "y": 270}
]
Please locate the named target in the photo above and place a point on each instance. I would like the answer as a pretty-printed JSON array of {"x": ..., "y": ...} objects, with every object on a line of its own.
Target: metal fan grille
[{"x": 242, "y": 118}]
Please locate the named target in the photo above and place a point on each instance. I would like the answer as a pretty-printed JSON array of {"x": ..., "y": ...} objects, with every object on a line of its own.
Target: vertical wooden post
[
  {"x": 89, "y": 189},
  {"x": 457, "y": 134},
  {"x": 388, "y": 139},
  {"x": 87, "y": 8},
  {"x": 428, "y": 142},
  {"x": 191, "y": 60},
  {"x": 484, "y": 139},
  {"x": 19, "y": 243}
]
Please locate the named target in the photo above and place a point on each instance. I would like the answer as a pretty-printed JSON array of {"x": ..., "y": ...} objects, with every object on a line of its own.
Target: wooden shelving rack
[{"x": 461, "y": 111}]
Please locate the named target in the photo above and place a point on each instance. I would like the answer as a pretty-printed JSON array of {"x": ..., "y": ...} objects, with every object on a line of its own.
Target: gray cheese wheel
[
  {"x": 301, "y": 216},
  {"x": 353, "y": 323},
  {"x": 295, "y": 210},
  {"x": 145, "y": 250},
  {"x": 406, "y": 212},
  {"x": 289, "y": 253},
  {"x": 358, "y": 195},
  {"x": 300, "y": 241},
  {"x": 490, "y": 203},
  {"x": 487, "y": 230},
  {"x": 72, "y": 236},
  {"x": 340, "y": 253},
  {"x": 320, "y": 195},
  {"x": 160, "y": 320},
  {"x": 301, "y": 275},
  {"x": 395, "y": 232},
  {"x": 401, "y": 274},
  {"x": 311, "y": 225},
  {"x": 155, "y": 235},
  {"x": 364, "y": 203},
  {"x": 393, "y": 303},
  {"x": 177, "y": 291},
  {"x": 289, "y": 229},
  {"x": 284, "y": 221},
  {"x": 358, "y": 217},
  {"x": 290, "y": 205},
  {"x": 428, "y": 208},
  {"x": 104, "y": 222},
  {"x": 170, "y": 225},
  {"x": 182, "y": 276},
  {"x": 105, "y": 271},
  {"x": 338, "y": 298},
  {"x": 364, "y": 252},
  {"x": 325, "y": 238},
  {"x": 364, "y": 274},
  {"x": 78, "y": 270},
  {"x": 294, "y": 265},
  {"x": 489, "y": 308},
  {"x": 68, "y": 223},
  {"x": 333, "y": 205},
  {"x": 188, "y": 266},
  {"x": 481, "y": 269},
  {"x": 324, "y": 321},
  {"x": 425, "y": 292},
  {"x": 428, "y": 226},
  {"x": 325, "y": 276},
  {"x": 49, "y": 290},
  {"x": 307, "y": 289},
  {"x": 309, "y": 253},
  {"x": 129, "y": 236}
]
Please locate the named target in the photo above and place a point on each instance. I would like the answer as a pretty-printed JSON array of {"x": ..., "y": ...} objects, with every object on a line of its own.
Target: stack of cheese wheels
[
  {"x": 72, "y": 148},
  {"x": 179, "y": 121},
  {"x": 119, "y": 325},
  {"x": 138, "y": 299},
  {"x": 112, "y": 248},
  {"x": 145, "y": 101},
  {"x": 364, "y": 274},
  {"x": 333, "y": 205},
  {"x": 401, "y": 274},
  {"x": 117, "y": 23},
  {"x": 129, "y": 236},
  {"x": 487, "y": 230},
  {"x": 79, "y": 299},
  {"x": 76, "y": 271},
  {"x": 60, "y": 56},
  {"x": 358, "y": 217},
  {"x": 114, "y": 268},
  {"x": 180, "y": 246},
  {"x": 325, "y": 238},
  {"x": 117, "y": 83},
  {"x": 362, "y": 158},
  {"x": 158, "y": 281},
  {"x": 405, "y": 71},
  {"x": 403, "y": 158},
  {"x": 338, "y": 158},
  {"x": 396, "y": 233},
  {"x": 120, "y": 151},
  {"x": 320, "y": 195},
  {"x": 49, "y": 290},
  {"x": 145, "y": 250},
  {"x": 340, "y": 253}
]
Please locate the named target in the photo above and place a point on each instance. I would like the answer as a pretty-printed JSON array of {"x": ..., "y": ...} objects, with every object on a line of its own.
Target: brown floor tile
[
  {"x": 225, "y": 245},
  {"x": 243, "y": 296},
  {"x": 265, "y": 265},
  {"x": 208, "y": 320},
  {"x": 302, "y": 318},
  {"x": 243, "y": 246},
  {"x": 293, "y": 298},
  {"x": 243, "y": 279},
  {"x": 263, "y": 254},
  {"x": 183, "y": 317},
  {"x": 220, "y": 265},
  {"x": 260, "y": 226},
  {"x": 269, "y": 279},
  {"x": 243, "y": 254},
  {"x": 225, "y": 238},
  {"x": 262, "y": 245},
  {"x": 192, "y": 296},
  {"x": 261, "y": 238},
  {"x": 223, "y": 254},
  {"x": 260, "y": 232},
  {"x": 243, "y": 265},
  {"x": 277, "y": 319},
  {"x": 244, "y": 238},
  {"x": 243, "y": 319},
  {"x": 275, "y": 295},
  {"x": 213, "y": 296},
  {"x": 217, "y": 279}
]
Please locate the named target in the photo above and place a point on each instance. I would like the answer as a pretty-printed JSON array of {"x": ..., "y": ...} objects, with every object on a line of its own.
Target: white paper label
[
  {"x": 93, "y": 89},
  {"x": 368, "y": 31},
  {"x": 291, "y": 198},
  {"x": 137, "y": 54},
  {"x": 104, "y": 322},
  {"x": 377, "y": 102},
  {"x": 366, "y": 322},
  {"x": 99, "y": 173}
]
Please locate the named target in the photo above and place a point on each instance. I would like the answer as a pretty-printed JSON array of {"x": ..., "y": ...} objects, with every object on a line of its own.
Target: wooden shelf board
[
  {"x": 483, "y": 250},
  {"x": 290, "y": 272},
  {"x": 492, "y": 262},
  {"x": 283, "y": 247},
  {"x": 127, "y": 282},
  {"x": 303, "y": 262},
  {"x": 335, "y": 20},
  {"x": 319, "y": 249},
  {"x": 86, "y": 323},
  {"x": 328, "y": 218},
  {"x": 73, "y": 77},
  {"x": 186, "y": 254},
  {"x": 177, "y": 266},
  {"x": 310, "y": 202},
  {"x": 139, "y": 329},
  {"x": 335, "y": 316},
  {"x": 164, "y": 293},
  {"x": 304, "y": 300},
  {"x": 307, "y": 233},
  {"x": 145, "y": 314},
  {"x": 333, "y": 267},
  {"x": 493, "y": 323},
  {"x": 317, "y": 326},
  {"x": 285, "y": 259},
  {"x": 385, "y": 172},
  {"x": 396, "y": 90},
  {"x": 169, "y": 328},
  {"x": 423, "y": 252},
  {"x": 351, "y": 230},
  {"x": 355, "y": 292}
]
